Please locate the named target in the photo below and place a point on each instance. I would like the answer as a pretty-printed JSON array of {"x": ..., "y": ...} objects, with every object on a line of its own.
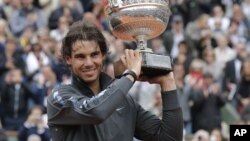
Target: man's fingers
[
  {"x": 131, "y": 53},
  {"x": 127, "y": 53},
  {"x": 123, "y": 59},
  {"x": 137, "y": 53}
]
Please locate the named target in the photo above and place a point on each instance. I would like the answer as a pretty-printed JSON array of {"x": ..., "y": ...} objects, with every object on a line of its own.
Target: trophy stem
[{"x": 142, "y": 44}]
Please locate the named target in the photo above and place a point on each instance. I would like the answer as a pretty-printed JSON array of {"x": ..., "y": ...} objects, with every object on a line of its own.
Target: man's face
[{"x": 86, "y": 61}]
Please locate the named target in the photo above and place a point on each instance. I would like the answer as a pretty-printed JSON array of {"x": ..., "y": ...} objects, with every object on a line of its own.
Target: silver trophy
[{"x": 140, "y": 20}]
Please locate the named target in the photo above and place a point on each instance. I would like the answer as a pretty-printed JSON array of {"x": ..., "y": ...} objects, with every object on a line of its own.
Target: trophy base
[{"x": 152, "y": 65}]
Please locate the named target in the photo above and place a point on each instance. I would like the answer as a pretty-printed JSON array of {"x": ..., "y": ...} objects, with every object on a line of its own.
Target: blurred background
[{"x": 209, "y": 41}]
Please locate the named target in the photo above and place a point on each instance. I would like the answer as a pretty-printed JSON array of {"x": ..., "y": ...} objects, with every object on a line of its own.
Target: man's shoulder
[
  {"x": 64, "y": 89},
  {"x": 62, "y": 86}
]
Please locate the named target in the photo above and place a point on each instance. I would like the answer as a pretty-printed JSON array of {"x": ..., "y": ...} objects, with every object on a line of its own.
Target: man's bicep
[
  {"x": 150, "y": 128},
  {"x": 147, "y": 124}
]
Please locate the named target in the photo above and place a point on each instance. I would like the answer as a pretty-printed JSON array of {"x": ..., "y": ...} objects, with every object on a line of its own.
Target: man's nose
[{"x": 88, "y": 61}]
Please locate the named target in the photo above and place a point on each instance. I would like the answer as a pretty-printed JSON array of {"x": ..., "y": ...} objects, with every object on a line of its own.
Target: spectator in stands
[
  {"x": 242, "y": 21},
  {"x": 11, "y": 58},
  {"x": 185, "y": 55},
  {"x": 9, "y": 6},
  {"x": 211, "y": 65},
  {"x": 63, "y": 10},
  {"x": 157, "y": 104},
  {"x": 89, "y": 4},
  {"x": 196, "y": 71},
  {"x": 34, "y": 125},
  {"x": 179, "y": 7},
  {"x": 27, "y": 16},
  {"x": 27, "y": 38},
  {"x": 194, "y": 28},
  {"x": 95, "y": 7},
  {"x": 232, "y": 76},
  {"x": 50, "y": 81},
  {"x": 47, "y": 43},
  {"x": 207, "y": 41},
  {"x": 57, "y": 65},
  {"x": 172, "y": 38},
  {"x": 63, "y": 26},
  {"x": 147, "y": 100},
  {"x": 244, "y": 86},
  {"x": 207, "y": 101},
  {"x": 157, "y": 46},
  {"x": 91, "y": 17},
  {"x": 233, "y": 34},
  {"x": 4, "y": 31},
  {"x": 14, "y": 98},
  {"x": 223, "y": 52},
  {"x": 36, "y": 58},
  {"x": 183, "y": 91},
  {"x": 218, "y": 13},
  {"x": 193, "y": 10},
  {"x": 218, "y": 28},
  {"x": 76, "y": 4},
  {"x": 246, "y": 8}
]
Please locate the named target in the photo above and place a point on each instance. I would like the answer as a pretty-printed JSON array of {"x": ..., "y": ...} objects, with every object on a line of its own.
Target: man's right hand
[{"x": 132, "y": 60}]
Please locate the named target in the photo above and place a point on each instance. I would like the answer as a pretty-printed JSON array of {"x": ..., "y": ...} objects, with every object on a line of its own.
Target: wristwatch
[{"x": 130, "y": 72}]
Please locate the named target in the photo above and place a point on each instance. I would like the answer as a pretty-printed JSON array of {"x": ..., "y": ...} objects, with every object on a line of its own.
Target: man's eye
[
  {"x": 79, "y": 57},
  {"x": 95, "y": 54}
]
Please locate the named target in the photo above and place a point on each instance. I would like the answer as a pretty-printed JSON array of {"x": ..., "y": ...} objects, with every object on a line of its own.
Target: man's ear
[
  {"x": 104, "y": 60},
  {"x": 68, "y": 60},
  {"x": 104, "y": 57}
]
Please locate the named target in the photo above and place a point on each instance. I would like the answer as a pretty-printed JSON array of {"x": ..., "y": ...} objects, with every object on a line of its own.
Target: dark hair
[
  {"x": 82, "y": 31},
  {"x": 183, "y": 42},
  {"x": 36, "y": 46}
]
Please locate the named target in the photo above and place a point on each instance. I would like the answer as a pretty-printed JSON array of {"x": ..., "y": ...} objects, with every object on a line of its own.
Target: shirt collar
[{"x": 105, "y": 80}]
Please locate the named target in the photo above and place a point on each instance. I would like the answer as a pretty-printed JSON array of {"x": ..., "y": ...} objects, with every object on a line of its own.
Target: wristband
[{"x": 130, "y": 72}]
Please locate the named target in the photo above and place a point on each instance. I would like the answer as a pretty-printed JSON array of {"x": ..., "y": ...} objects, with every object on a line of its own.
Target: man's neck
[
  {"x": 90, "y": 89},
  {"x": 95, "y": 87}
]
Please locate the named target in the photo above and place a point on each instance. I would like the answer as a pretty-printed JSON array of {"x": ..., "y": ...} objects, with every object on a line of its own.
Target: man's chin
[{"x": 89, "y": 79}]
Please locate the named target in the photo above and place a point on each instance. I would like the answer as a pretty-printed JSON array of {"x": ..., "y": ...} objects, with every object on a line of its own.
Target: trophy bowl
[{"x": 141, "y": 20}]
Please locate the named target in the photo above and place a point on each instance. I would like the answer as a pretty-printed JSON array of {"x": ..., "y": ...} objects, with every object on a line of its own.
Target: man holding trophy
[{"x": 96, "y": 108}]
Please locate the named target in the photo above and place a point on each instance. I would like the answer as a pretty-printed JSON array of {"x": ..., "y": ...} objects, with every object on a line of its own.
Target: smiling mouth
[{"x": 89, "y": 70}]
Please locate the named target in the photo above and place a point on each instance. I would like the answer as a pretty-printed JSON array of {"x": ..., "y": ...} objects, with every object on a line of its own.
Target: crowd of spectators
[{"x": 209, "y": 41}]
